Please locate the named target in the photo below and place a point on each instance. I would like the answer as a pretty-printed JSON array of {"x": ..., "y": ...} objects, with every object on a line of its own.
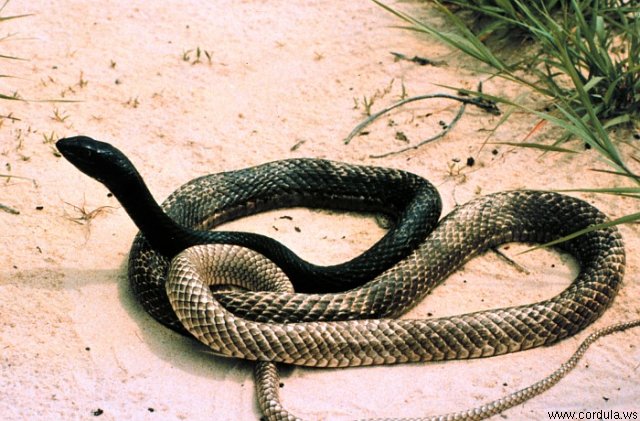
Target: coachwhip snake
[{"x": 356, "y": 326}]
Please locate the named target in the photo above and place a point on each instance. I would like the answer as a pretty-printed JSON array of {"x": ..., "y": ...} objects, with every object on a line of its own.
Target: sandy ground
[{"x": 281, "y": 81}]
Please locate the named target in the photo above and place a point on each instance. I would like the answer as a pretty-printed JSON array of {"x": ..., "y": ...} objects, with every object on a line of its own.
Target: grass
[
  {"x": 584, "y": 58},
  {"x": 14, "y": 96},
  {"x": 85, "y": 216},
  {"x": 593, "y": 41},
  {"x": 196, "y": 56},
  {"x": 368, "y": 101}
]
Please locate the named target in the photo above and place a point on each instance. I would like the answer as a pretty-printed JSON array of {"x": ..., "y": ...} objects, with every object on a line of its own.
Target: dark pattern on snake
[{"x": 205, "y": 202}]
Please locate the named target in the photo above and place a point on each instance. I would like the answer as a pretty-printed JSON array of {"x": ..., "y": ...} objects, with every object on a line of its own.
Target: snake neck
[{"x": 163, "y": 233}]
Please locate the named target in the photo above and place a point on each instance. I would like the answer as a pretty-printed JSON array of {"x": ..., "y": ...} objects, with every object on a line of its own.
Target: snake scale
[{"x": 351, "y": 325}]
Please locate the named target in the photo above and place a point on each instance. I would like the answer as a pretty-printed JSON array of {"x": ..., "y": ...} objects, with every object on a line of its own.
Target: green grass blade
[
  {"x": 622, "y": 220},
  {"x": 593, "y": 82},
  {"x": 3, "y": 18},
  {"x": 606, "y": 190},
  {"x": 622, "y": 119},
  {"x": 10, "y": 98},
  {"x": 619, "y": 173},
  {"x": 11, "y": 57},
  {"x": 547, "y": 148}
]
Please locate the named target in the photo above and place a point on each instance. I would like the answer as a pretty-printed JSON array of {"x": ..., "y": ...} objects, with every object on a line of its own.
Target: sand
[{"x": 272, "y": 81}]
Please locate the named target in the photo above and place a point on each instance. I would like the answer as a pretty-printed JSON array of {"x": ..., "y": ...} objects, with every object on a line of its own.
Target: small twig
[
  {"x": 10, "y": 117},
  {"x": 422, "y": 61},
  {"x": 9, "y": 177},
  {"x": 512, "y": 262},
  {"x": 9, "y": 209},
  {"x": 297, "y": 145},
  {"x": 85, "y": 216},
  {"x": 486, "y": 105},
  {"x": 431, "y": 139}
]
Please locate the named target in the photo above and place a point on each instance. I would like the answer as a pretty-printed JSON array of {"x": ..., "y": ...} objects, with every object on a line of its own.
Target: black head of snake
[{"x": 101, "y": 161}]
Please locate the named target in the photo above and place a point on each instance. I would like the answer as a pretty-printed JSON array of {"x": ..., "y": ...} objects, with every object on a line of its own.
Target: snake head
[
  {"x": 108, "y": 165},
  {"x": 99, "y": 160}
]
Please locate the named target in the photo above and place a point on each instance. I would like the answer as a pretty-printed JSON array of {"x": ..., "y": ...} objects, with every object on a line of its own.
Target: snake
[
  {"x": 315, "y": 320},
  {"x": 187, "y": 216}
]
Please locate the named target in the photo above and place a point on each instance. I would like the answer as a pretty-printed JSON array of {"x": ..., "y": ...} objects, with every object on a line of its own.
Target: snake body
[
  {"x": 356, "y": 326},
  {"x": 522, "y": 216}
]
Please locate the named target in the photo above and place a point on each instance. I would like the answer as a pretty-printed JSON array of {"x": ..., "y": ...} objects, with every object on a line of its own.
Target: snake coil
[{"x": 332, "y": 319}]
